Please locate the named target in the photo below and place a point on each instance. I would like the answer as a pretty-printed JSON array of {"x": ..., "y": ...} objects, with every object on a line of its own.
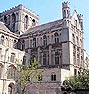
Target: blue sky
[{"x": 50, "y": 10}]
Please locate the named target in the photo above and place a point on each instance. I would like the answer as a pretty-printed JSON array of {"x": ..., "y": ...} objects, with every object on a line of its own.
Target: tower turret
[
  {"x": 80, "y": 17},
  {"x": 66, "y": 9}
]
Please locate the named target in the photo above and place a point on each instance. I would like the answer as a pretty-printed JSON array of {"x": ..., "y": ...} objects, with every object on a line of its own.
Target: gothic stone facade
[
  {"x": 58, "y": 45},
  {"x": 8, "y": 57}
]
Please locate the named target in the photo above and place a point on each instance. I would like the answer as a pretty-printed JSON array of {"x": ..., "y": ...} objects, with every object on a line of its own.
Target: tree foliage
[
  {"x": 80, "y": 81},
  {"x": 27, "y": 74}
]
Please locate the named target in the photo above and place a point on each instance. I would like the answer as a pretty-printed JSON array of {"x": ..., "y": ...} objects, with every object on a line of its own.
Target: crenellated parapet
[
  {"x": 16, "y": 8},
  {"x": 66, "y": 4},
  {"x": 66, "y": 9}
]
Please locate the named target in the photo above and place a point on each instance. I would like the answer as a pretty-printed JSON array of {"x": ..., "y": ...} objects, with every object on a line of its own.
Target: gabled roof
[
  {"x": 75, "y": 17},
  {"x": 4, "y": 29}
]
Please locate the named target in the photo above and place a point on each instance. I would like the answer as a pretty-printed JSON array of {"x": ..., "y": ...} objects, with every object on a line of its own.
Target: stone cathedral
[{"x": 58, "y": 47}]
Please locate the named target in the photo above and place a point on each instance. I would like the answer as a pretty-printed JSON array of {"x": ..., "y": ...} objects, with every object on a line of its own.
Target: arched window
[
  {"x": 76, "y": 23},
  {"x": 56, "y": 38},
  {"x": 11, "y": 72},
  {"x": 56, "y": 58},
  {"x": 44, "y": 40},
  {"x": 15, "y": 44},
  {"x": 13, "y": 18},
  {"x": 26, "y": 22},
  {"x": 33, "y": 22},
  {"x": 68, "y": 13},
  {"x": 19, "y": 44},
  {"x": 32, "y": 58},
  {"x": 8, "y": 19},
  {"x": 23, "y": 45},
  {"x": 73, "y": 38},
  {"x": 77, "y": 39},
  {"x": 44, "y": 59},
  {"x": 34, "y": 42},
  {"x": 53, "y": 77},
  {"x": 1, "y": 70},
  {"x": 75, "y": 71},
  {"x": 13, "y": 22},
  {"x": 64, "y": 13},
  {"x": 24, "y": 60},
  {"x": 11, "y": 88},
  {"x": 7, "y": 42},
  {"x": 12, "y": 59},
  {"x": 5, "y": 19},
  {"x": 2, "y": 40},
  {"x": 40, "y": 41},
  {"x": 30, "y": 43}
]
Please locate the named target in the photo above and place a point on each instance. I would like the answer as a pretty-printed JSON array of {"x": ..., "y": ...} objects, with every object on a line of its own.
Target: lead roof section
[{"x": 45, "y": 28}]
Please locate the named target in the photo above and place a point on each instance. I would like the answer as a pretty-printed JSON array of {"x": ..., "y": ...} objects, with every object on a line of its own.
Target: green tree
[
  {"x": 27, "y": 74},
  {"x": 80, "y": 81}
]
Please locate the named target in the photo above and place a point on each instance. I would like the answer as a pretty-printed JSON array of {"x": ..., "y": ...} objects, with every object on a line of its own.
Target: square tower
[{"x": 19, "y": 19}]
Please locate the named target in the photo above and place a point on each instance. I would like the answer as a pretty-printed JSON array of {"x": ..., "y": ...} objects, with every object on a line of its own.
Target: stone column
[
  {"x": 29, "y": 22},
  {"x": 79, "y": 56},
  {"x": 39, "y": 55},
  {"x": 0, "y": 39},
  {"x": 16, "y": 23},
  {"x": 50, "y": 47},
  {"x": 76, "y": 55},
  {"x": 9, "y": 40},
  {"x": 54, "y": 57},
  {"x": 20, "y": 21},
  {"x": 42, "y": 58},
  {"x": 10, "y": 21},
  {"x": 60, "y": 58},
  {"x": 29, "y": 54}
]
